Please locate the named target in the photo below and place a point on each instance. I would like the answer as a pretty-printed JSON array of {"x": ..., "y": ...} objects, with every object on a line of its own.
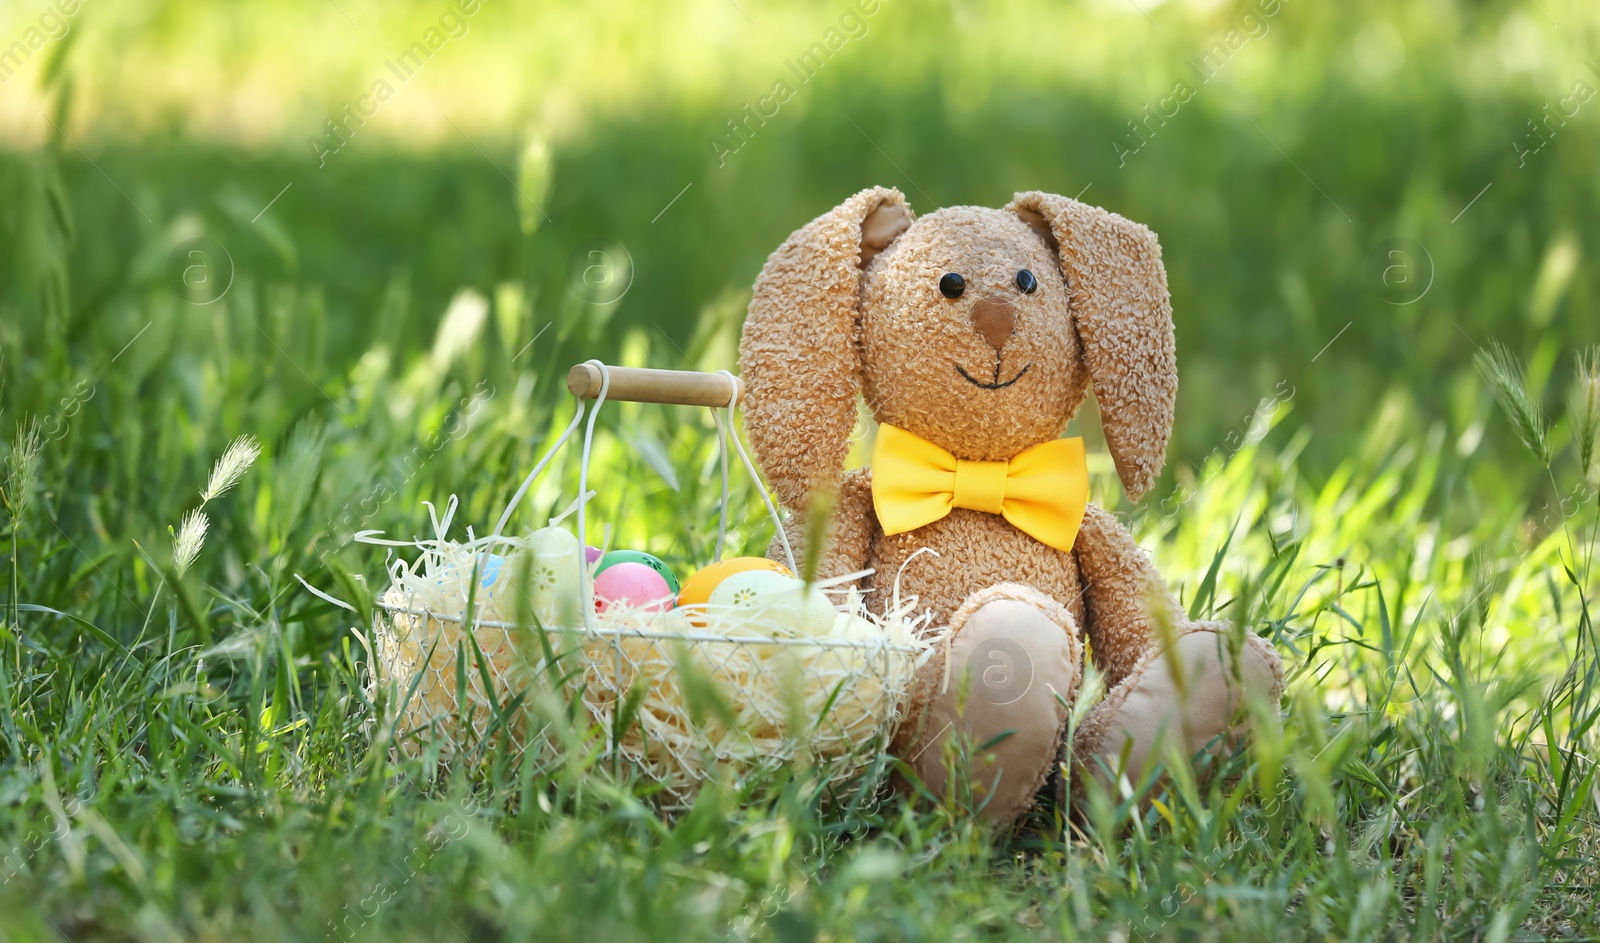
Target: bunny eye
[
  {"x": 1027, "y": 282},
  {"x": 952, "y": 285}
]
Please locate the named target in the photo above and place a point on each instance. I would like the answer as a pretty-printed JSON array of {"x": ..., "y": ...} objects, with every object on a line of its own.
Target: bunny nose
[{"x": 994, "y": 318}]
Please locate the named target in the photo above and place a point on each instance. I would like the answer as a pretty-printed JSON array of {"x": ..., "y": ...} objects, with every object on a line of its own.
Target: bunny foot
[
  {"x": 1002, "y": 695},
  {"x": 1196, "y": 703}
]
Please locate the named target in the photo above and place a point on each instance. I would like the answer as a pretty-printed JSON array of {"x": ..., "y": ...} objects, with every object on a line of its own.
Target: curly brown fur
[
  {"x": 850, "y": 304},
  {"x": 798, "y": 354},
  {"x": 1121, "y": 587},
  {"x": 1124, "y": 318}
]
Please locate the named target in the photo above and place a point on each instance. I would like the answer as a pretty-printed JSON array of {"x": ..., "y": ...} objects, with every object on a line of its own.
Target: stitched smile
[{"x": 996, "y": 385}]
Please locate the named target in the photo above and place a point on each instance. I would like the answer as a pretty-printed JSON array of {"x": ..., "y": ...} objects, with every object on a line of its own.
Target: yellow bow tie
[{"x": 1042, "y": 491}]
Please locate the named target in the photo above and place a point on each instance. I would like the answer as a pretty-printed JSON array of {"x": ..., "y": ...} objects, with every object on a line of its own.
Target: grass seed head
[
  {"x": 459, "y": 329},
  {"x": 186, "y": 543},
  {"x": 235, "y": 461},
  {"x": 1583, "y": 408},
  {"x": 1504, "y": 373},
  {"x": 22, "y": 466}
]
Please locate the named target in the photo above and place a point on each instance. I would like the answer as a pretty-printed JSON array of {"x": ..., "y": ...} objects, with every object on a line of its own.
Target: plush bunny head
[{"x": 976, "y": 329}]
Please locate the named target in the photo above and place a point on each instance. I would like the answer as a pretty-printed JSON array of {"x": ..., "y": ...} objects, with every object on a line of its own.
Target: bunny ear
[
  {"x": 1124, "y": 319},
  {"x": 798, "y": 356}
]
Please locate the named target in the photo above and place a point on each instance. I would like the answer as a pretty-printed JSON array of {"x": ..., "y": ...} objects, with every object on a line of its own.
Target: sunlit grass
[
  {"x": 1432, "y": 780},
  {"x": 185, "y": 750}
]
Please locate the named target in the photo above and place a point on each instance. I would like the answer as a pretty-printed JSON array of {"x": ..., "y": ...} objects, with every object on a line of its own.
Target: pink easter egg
[{"x": 633, "y": 585}]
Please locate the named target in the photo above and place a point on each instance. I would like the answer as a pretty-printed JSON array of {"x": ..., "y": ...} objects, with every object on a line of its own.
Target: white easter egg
[
  {"x": 775, "y": 600},
  {"x": 554, "y": 576},
  {"x": 552, "y": 541},
  {"x": 807, "y": 610},
  {"x": 752, "y": 589},
  {"x": 852, "y": 628}
]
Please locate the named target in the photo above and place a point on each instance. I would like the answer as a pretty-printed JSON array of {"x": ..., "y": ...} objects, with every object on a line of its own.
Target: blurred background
[{"x": 281, "y": 201}]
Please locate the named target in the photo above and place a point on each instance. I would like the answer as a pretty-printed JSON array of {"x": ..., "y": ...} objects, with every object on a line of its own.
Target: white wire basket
[{"x": 683, "y": 698}]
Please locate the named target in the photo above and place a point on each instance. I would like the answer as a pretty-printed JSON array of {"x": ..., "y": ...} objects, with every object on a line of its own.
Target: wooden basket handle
[{"x": 644, "y": 385}]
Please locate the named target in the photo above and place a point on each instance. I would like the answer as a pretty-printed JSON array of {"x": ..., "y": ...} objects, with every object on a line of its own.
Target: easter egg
[
  {"x": 632, "y": 585},
  {"x": 752, "y": 589},
  {"x": 490, "y": 570},
  {"x": 553, "y": 574},
  {"x": 592, "y": 554},
  {"x": 552, "y": 541},
  {"x": 697, "y": 588},
  {"x": 638, "y": 556},
  {"x": 805, "y": 611},
  {"x": 852, "y": 628},
  {"x": 776, "y": 600}
]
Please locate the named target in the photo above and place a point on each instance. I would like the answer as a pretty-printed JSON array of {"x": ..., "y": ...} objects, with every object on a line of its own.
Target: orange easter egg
[{"x": 697, "y": 588}]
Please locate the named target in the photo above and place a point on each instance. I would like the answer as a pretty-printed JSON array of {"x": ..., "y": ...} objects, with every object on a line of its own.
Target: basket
[{"x": 683, "y": 699}]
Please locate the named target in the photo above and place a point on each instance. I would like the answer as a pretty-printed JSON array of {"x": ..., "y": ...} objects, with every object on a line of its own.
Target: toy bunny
[{"x": 972, "y": 334}]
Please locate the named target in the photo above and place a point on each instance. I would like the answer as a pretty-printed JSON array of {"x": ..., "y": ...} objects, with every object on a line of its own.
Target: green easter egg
[{"x": 639, "y": 556}]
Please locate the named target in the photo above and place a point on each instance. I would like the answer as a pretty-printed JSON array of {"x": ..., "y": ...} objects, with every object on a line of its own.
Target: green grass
[
  {"x": 1413, "y": 794},
  {"x": 188, "y": 757},
  {"x": 1432, "y": 780}
]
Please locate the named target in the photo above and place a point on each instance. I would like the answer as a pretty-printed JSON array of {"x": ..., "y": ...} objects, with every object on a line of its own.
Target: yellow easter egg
[{"x": 697, "y": 589}]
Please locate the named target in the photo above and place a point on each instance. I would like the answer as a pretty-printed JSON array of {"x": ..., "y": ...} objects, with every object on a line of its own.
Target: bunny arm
[
  {"x": 1121, "y": 590},
  {"x": 850, "y": 534}
]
